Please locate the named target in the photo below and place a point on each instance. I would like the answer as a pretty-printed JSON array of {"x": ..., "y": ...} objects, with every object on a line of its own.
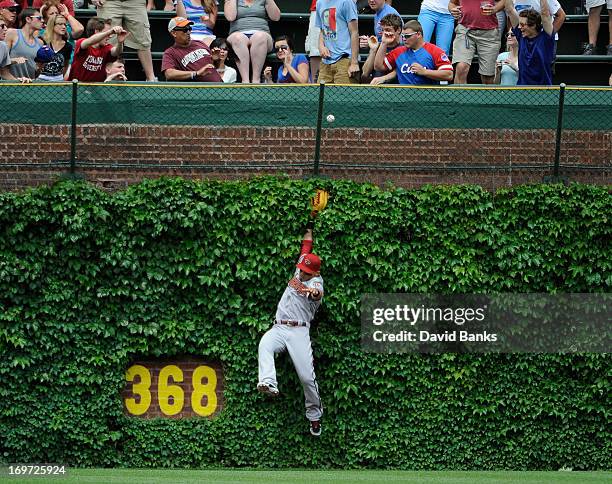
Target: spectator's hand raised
[
  {"x": 121, "y": 33},
  {"x": 18, "y": 60},
  {"x": 63, "y": 10},
  {"x": 216, "y": 53},
  {"x": 372, "y": 42},
  {"x": 363, "y": 41},
  {"x": 288, "y": 58},
  {"x": 268, "y": 74},
  {"x": 97, "y": 3},
  {"x": 387, "y": 38}
]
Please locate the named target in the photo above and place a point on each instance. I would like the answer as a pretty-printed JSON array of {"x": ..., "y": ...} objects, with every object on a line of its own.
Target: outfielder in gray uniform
[{"x": 291, "y": 333}]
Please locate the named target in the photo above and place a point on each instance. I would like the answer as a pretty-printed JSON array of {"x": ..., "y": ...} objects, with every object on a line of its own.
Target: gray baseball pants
[{"x": 296, "y": 341}]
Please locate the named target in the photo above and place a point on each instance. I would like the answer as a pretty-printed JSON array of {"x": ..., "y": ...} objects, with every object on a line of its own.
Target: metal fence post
[
  {"x": 75, "y": 84},
  {"x": 317, "y": 153},
  {"x": 559, "y": 132}
]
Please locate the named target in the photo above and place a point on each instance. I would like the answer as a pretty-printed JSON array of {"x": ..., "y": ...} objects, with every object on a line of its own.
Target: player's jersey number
[{"x": 172, "y": 391}]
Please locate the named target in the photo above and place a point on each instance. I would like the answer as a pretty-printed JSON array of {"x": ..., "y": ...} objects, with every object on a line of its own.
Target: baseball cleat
[
  {"x": 315, "y": 427},
  {"x": 267, "y": 389}
]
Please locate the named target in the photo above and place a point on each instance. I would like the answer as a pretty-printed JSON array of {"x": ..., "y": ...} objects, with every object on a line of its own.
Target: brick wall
[{"x": 115, "y": 156}]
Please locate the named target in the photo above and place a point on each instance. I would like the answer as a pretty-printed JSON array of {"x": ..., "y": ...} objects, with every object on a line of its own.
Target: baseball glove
[
  {"x": 319, "y": 201},
  {"x": 317, "y": 204}
]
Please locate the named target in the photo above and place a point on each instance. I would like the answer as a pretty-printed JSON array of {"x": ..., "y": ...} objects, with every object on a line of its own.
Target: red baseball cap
[
  {"x": 8, "y": 4},
  {"x": 309, "y": 263}
]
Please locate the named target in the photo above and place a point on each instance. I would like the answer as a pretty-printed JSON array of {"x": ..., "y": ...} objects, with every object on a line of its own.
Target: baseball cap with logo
[
  {"x": 309, "y": 263},
  {"x": 8, "y": 4},
  {"x": 178, "y": 22}
]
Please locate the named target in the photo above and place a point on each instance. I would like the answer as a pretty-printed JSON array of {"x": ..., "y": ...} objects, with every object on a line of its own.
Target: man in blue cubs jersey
[{"x": 417, "y": 61}]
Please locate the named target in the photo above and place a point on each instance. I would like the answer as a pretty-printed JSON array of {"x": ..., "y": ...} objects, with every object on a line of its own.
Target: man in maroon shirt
[
  {"x": 94, "y": 52},
  {"x": 187, "y": 60}
]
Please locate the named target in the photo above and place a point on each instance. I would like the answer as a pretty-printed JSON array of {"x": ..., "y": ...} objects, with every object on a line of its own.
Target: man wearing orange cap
[
  {"x": 291, "y": 333},
  {"x": 187, "y": 59}
]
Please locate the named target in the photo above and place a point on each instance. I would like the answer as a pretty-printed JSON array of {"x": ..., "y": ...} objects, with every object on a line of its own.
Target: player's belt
[{"x": 290, "y": 323}]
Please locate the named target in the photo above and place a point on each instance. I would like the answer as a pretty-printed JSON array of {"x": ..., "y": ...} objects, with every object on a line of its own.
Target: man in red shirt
[
  {"x": 94, "y": 52},
  {"x": 477, "y": 33},
  {"x": 187, "y": 60}
]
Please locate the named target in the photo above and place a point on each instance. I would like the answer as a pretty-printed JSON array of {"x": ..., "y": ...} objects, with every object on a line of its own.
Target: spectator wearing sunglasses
[
  {"x": 74, "y": 28},
  {"x": 24, "y": 43},
  {"x": 536, "y": 41},
  {"x": 417, "y": 61},
  {"x": 506, "y": 66},
  {"x": 8, "y": 12},
  {"x": 187, "y": 60},
  {"x": 221, "y": 53},
  {"x": 295, "y": 68},
  {"x": 5, "y": 58}
]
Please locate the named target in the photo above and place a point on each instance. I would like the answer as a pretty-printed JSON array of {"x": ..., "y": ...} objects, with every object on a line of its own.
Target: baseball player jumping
[{"x": 291, "y": 333}]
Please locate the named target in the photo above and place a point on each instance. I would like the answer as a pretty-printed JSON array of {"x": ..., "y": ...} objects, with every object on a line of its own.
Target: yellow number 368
[{"x": 170, "y": 396}]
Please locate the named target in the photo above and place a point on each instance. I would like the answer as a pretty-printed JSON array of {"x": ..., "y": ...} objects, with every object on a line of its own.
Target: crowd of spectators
[{"x": 42, "y": 40}]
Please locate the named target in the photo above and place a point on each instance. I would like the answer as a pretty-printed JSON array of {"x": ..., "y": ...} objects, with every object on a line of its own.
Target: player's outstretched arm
[{"x": 307, "y": 242}]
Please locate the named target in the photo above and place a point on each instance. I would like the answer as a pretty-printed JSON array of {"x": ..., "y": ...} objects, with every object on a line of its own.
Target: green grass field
[{"x": 134, "y": 476}]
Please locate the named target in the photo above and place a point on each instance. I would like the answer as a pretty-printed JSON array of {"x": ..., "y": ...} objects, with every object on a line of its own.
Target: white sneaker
[{"x": 267, "y": 389}]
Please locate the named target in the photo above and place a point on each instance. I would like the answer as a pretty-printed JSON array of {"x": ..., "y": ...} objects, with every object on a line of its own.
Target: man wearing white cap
[{"x": 187, "y": 60}]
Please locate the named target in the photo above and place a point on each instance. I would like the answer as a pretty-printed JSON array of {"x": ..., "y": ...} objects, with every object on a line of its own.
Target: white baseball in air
[{"x": 331, "y": 118}]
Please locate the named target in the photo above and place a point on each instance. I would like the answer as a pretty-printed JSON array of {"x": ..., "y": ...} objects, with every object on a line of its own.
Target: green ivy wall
[{"x": 91, "y": 281}]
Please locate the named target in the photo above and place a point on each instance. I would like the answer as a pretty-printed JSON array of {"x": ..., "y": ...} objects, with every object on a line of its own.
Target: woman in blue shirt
[{"x": 295, "y": 68}]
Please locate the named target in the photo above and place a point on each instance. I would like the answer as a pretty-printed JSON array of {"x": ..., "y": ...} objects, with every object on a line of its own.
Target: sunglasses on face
[
  {"x": 183, "y": 29},
  {"x": 407, "y": 36},
  {"x": 510, "y": 34},
  {"x": 282, "y": 47},
  {"x": 37, "y": 17}
]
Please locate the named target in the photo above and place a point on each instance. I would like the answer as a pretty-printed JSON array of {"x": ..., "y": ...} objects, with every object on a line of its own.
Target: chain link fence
[{"x": 475, "y": 134}]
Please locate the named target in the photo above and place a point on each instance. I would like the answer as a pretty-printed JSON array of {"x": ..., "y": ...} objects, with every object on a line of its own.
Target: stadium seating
[{"x": 571, "y": 67}]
